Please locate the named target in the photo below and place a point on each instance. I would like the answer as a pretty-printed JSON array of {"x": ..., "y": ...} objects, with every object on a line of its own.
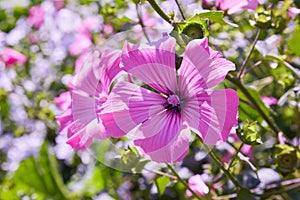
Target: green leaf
[
  {"x": 295, "y": 41},
  {"x": 41, "y": 174},
  {"x": 161, "y": 183},
  {"x": 284, "y": 63},
  {"x": 214, "y": 16}
]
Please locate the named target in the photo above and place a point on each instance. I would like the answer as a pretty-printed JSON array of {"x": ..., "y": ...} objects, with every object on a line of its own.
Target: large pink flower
[
  {"x": 90, "y": 90},
  {"x": 233, "y": 6},
  {"x": 11, "y": 56},
  {"x": 160, "y": 119}
]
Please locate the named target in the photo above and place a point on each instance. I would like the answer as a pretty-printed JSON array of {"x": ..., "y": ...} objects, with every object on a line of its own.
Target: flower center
[{"x": 173, "y": 100}]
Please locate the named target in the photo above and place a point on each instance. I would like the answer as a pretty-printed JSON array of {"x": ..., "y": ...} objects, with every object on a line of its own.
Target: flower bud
[
  {"x": 263, "y": 18},
  {"x": 286, "y": 157},
  {"x": 248, "y": 134},
  {"x": 194, "y": 30}
]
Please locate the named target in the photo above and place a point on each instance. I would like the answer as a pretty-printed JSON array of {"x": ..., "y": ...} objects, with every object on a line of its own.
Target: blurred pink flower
[
  {"x": 11, "y": 56},
  {"x": 234, "y": 6},
  {"x": 268, "y": 101},
  {"x": 59, "y": 4},
  {"x": 63, "y": 101},
  {"x": 81, "y": 43},
  {"x": 293, "y": 12},
  {"x": 197, "y": 185},
  {"x": 89, "y": 24},
  {"x": 161, "y": 122},
  {"x": 80, "y": 60},
  {"x": 36, "y": 16},
  {"x": 90, "y": 90}
]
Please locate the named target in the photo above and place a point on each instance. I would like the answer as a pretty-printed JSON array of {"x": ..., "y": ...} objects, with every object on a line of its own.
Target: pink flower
[
  {"x": 268, "y": 101},
  {"x": 63, "y": 101},
  {"x": 36, "y": 16},
  {"x": 81, "y": 43},
  {"x": 161, "y": 122},
  {"x": 90, "y": 90},
  {"x": 234, "y": 6},
  {"x": 293, "y": 12},
  {"x": 11, "y": 56},
  {"x": 197, "y": 185}
]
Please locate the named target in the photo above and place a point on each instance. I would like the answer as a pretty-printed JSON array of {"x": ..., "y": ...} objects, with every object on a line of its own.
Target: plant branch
[
  {"x": 180, "y": 10},
  {"x": 141, "y": 22},
  {"x": 184, "y": 183},
  {"x": 216, "y": 160},
  {"x": 235, "y": 156},
  {"x": 159, "y": 11},
  {"x": 249, "y": 55}
]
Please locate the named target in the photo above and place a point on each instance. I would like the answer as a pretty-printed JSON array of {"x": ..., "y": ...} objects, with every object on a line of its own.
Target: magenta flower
[
  {"x": 293, "y": 12},
  {"x": 160, "y": 121},
  {"x": 234, "y": 6},
  {"x": 197, "y": 185},
  {"x": 90, "y": 90},
  {"x": 268, "y": 101},
  {"x": 36, "y": 16},
  {"x": 11, "y": 56}
]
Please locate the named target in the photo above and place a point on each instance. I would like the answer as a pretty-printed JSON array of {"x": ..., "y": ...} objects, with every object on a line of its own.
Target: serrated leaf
[{"x": 161, "y": 183}]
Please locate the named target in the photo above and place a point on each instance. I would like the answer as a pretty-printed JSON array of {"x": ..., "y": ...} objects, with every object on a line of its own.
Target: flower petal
[
  {"x": 153, "y": 63},
  {"x": 91, "y": 87},
  {"x": 211, "y": 66},
  {"x": 170, "y": 144},
  {"x": 129, "y": 106},
  {"x": 217, "y": 113}
]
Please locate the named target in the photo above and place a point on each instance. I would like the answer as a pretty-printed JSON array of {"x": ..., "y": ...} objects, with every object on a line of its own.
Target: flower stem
[
  {"x": 249, "y": 55},
  {"x": 180, "y": 10},
  {"x": 235, "y": 156},
  {"x": 141, "y": 22},
  {"x": 159, "y": 11},
  {"x": 216, "y": 160},
  {"x": 184, "y": 183},
  {"x": 237, "y": 83}
]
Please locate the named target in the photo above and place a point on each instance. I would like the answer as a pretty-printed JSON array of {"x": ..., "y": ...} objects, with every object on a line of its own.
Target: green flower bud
[
  {"x": 263, "y": 18},
  {"x": 194, "y": 30},
  {"x": 248, "y": 134},
  {"x": 286, "y": 158}
]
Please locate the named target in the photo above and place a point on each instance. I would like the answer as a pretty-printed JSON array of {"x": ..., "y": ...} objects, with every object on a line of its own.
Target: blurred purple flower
[{"x": 197, "y": 185}]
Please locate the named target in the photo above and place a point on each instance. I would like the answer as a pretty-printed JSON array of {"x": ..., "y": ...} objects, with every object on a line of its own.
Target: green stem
[
  {"x": 141, "y": 23},
  {"x": 156, "y": 7},
  {"x": 249, "y": 55},
  {"x": 235, "y": 156},
  {"x": 184, "y": 183},
  {"x": 256, "y": 105},
  {"x": 216, "y": 160}
]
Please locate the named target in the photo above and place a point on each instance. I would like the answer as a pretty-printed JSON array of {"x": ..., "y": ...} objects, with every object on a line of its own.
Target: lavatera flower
[
  {"x": 90, "y": 88},
  {"x": 159, "y": 117}
]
